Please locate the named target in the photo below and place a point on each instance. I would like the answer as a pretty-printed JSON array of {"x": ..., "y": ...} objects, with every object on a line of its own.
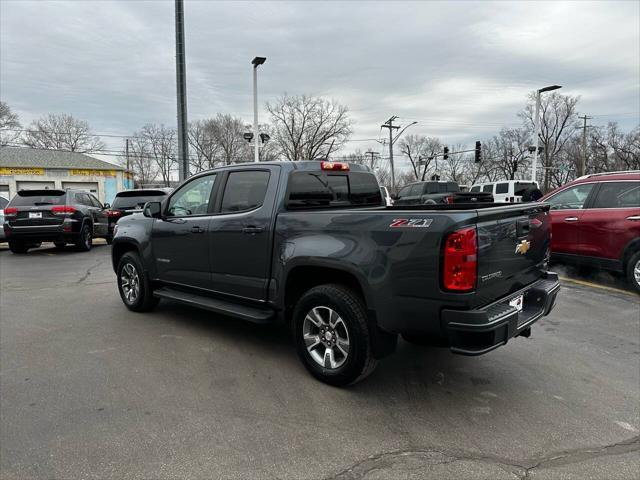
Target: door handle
[
  {"x": 571, "y": 219},
  {"x": 252, "y": 230},
  {"x": 197, "y": 229},
  {"x": 634, "y": 218}
]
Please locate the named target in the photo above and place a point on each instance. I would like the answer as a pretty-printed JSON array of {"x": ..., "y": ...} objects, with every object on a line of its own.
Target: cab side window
[
  {"x": 571, "y": 198},
  {"x": 244, "y": 191},
  {"x": 192, "y": 198},
  {"x": 95, "y": 202}
]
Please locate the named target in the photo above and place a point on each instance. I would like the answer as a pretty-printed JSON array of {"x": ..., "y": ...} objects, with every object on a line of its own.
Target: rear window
[
  {"x": 488, "y": 188},
  {"x": 520, "y": 187},
  {"x": 137, "y": 199},
  {"x": 475, "y": 188},
  {"x": 318, "y": 189},
  {"x": 30, "y": 198}
]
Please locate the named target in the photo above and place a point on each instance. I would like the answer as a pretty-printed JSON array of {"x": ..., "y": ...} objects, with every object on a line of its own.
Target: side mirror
[
  {"x": 107, "y": 206},
  {"x": 152, "y": 210}
]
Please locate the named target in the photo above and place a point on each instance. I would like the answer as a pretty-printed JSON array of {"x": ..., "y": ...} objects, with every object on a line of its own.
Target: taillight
[
  {"x": 10, "y": 212},
  {"x": 334, "y": 166},
  {"x": 449, "y": 199},
  {"x": 62, "y": 209},
  {"x": 113, "y": 213},
  {"x": 460, "y": 260}
]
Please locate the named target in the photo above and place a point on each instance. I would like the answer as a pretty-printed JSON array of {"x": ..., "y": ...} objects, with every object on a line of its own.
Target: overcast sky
[{"x": 461, "y": 69}]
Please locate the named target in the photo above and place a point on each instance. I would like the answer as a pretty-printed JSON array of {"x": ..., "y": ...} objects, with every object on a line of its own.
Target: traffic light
[
  {"x": 478, "y": 151},
  {"x": 446, "y": 153}
]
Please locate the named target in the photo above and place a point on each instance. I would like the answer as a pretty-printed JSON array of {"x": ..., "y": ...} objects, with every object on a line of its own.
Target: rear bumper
[
  {"x": 474, "y": 332},
  {"x": 66, "y": 231}
]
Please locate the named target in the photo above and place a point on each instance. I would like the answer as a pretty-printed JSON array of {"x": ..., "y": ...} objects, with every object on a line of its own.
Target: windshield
[{"x": 28, "y": 198}]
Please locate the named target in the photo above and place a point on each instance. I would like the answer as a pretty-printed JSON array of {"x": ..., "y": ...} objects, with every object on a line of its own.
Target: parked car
[
  {"x": 132, "y": 201},
  {"x": 3, "y": 203},
  {"x": 596, "y": 223},
  {"x": 312, "y": 244},
  {"x": 429, "y": 193},
  {"x": 386, "y": 196},
  {"x": 59, "y": 216},
  {"x": 510, "y": 191}
]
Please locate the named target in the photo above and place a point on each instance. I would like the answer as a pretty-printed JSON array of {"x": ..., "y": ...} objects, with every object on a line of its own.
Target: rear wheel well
[
  {"x": 118, "y": 250},
  {"x": 301, "y": 279},
  {"x": 632, "y": 247}
]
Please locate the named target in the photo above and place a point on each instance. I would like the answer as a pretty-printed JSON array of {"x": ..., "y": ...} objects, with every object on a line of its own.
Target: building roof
[{"x": 42, "y": 158}]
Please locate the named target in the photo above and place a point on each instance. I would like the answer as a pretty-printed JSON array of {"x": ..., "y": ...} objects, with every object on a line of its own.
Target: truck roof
[{"x": 298, "y": 165}]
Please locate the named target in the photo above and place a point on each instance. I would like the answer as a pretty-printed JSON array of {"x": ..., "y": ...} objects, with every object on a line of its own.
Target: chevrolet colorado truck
[{"x": 312, "y": 244}]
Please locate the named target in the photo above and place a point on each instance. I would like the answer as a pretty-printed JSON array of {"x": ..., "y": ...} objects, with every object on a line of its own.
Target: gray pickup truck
[{"x": 312, "y": 244}]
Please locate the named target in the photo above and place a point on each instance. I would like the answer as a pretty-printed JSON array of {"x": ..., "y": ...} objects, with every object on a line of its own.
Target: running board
[{"x": 224, "y": 307}]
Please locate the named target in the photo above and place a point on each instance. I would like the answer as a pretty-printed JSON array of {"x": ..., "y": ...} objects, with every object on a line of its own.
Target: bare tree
[
  {"x": 228, "y": 134},
  {"x": 9, "y": 125},
  {"x": 204, "y": 148},
  {"x": 161, "y": 145},
  {"x": 510, "y": 152},
  {"x": 62, "y": 132},
  {"x": 625, "y": 147},
  {"x": 307, "y": 127},
  {"x": 558, "y": 122},
  {"x": 141, "y": 162},
  {"x": 421, "y": 152}
]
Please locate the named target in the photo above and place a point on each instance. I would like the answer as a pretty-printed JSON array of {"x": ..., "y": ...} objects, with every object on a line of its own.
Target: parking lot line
[{"x": 595, "y": 285}]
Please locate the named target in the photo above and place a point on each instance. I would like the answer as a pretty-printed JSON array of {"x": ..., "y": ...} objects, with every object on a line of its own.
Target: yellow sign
[
  {"x": 21, "y": 171},
  {"x": 93, "y": 173}
]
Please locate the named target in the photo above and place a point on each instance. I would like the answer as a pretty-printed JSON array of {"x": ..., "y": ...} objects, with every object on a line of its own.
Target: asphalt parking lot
[{"x": 91, "y": 390}]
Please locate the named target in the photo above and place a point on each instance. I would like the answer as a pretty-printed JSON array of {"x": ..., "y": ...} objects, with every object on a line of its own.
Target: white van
[{"x": 508, "y": 191}]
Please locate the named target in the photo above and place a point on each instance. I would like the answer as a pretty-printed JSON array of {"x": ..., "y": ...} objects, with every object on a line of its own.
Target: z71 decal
[{"x": 411, "y": 222}]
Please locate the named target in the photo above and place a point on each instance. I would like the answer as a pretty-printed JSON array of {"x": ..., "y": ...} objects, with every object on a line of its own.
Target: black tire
[
  {"x": 60, "y": 245},
  {"x": 85, "y": 239},
  {"x": 632, "y": 275},
  {"x": 144, "y": 299},
  {"x": 18, "y": 247},
  {"x": 359, "y": 362}
]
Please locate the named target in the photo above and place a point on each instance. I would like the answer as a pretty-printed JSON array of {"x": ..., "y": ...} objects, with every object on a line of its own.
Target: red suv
[{"x": 596, "y": 222}]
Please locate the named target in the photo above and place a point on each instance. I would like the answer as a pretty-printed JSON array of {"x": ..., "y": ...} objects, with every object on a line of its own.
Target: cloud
[{"x": 462, "y": 69}]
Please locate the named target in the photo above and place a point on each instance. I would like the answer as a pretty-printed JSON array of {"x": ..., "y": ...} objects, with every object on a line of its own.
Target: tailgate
[{"x": 513, "y": 242}]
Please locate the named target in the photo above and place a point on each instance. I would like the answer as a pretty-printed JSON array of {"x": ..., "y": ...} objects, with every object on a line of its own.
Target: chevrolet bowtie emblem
[{"x": 523, "y": 247}]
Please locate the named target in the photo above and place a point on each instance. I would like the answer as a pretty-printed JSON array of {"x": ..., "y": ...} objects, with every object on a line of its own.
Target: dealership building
[{"x": 33, "y": 168}]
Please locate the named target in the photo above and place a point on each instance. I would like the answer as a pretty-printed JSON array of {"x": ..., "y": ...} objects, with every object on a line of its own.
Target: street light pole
[
  {"x": 256, "y": 134},
  {"x": 536, "y": 128},
  {"x": 181, "y": 86}
]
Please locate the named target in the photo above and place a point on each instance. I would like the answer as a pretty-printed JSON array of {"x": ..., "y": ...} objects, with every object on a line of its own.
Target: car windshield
[
  {"x": 28, "y": 198},
  {"x": 135, "y": 200}
]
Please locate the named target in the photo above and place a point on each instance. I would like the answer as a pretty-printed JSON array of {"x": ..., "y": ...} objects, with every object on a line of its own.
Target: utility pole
[
  {"x": 181, "y": 86},
  {"x": 126, "y": 150},
  {"x": 372, "y": 153},
  {"x": 583, "y": 160},
  {"x": 389, "y": 124}
]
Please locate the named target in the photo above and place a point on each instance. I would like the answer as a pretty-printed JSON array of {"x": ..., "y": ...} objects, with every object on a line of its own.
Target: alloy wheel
[
  {"x": 636, "y": 272},
  {"x": 130, "y": 282},
  {"x": 326, "y": 337}
]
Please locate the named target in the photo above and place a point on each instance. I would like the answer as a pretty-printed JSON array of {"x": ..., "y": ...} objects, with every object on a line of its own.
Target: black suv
[
  {"x": 132, "y": 201},
  {"x": 58, "y": 216}
]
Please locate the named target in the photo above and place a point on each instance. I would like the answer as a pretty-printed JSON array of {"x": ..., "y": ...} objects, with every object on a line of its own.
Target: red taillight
[
  {"x": 449, "y": 199},
  {"x": 10, "y": 212},
  {"x": 460, "y": 260},
  {"x": 62, "y": 210},
  {"x": 113, "y": 213},
  {"x": 334, "y": 166}
]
